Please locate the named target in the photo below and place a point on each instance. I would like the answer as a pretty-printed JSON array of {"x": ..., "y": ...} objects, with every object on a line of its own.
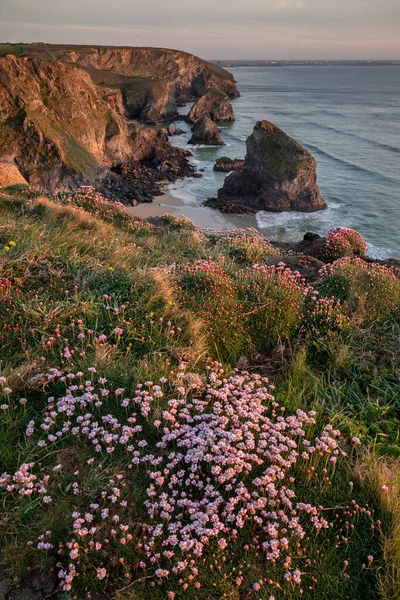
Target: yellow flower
[
  {"x": 6, "y": 248},
  {"x": 170, "y": 303},
  {"x": 11, "y": 243}
]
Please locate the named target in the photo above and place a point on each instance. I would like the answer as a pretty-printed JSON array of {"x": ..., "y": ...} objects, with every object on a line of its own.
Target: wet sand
[{"x": 178, "y": 202}]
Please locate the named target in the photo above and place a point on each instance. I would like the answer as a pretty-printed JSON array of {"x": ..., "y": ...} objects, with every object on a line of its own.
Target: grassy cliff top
[
  {"x": 125, "y": 425},
  {"x": 154, "y": 55}
]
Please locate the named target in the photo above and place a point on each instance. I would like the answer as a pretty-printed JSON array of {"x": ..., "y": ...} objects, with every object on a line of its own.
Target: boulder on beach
[
  {"x": 278, "y": 175},
  {"x": 206, "y": 132},
  {"x": 226, "y": 164},
  {"x": 215, "y": 104}
]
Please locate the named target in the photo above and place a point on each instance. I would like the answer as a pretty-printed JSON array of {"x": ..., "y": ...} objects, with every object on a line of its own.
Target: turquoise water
[{"x": 349, "y": 119}]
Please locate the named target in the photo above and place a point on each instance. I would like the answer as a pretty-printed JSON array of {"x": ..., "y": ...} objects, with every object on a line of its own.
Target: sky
[{"x": 215, "y": 29}]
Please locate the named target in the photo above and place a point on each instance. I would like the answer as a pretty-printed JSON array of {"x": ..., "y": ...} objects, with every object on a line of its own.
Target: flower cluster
[
  {"x": 342, "y": 241},
  {"x": 25, "y": 483},
  {"x": 229, "y": 456},
  {"x": 180, "y": 222},
  {"x": 225, "y": 463}
]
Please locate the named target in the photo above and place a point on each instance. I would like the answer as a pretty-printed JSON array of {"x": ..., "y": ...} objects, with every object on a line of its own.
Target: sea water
[{"x": 349, "y": 119}]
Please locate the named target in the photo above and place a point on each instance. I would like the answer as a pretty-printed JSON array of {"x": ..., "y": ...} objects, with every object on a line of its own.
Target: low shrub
[
  {"x": 255, "y": 307},
  {"x": 246, "y": 246},
  {"x": 370, "y": 291},
  {"x": 341, "y": 242}
]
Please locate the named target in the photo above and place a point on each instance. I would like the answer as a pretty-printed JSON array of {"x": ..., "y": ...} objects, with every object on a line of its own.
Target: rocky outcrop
[
  {"x": 226, "y": 164},
  {"x": 278, "y": 175},
  {"x": 152, "y": 80},
  {"x": 215, "y": 104},
  {"x": 205, "y": 131},
  {"x": 173, "y": 130},
  {"x": 61, "y": 130},
  {"x": 10, "y": 175}
]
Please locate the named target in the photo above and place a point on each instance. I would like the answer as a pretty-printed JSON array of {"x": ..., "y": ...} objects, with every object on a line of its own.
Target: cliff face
[
  {"x": 152, "y": 80},
  {"x": 278, "y": 175},
  {"x": 62, "y": 130}
]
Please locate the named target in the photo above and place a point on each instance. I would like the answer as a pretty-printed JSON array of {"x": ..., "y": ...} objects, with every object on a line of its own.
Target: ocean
[{"x": 349, "y": 119}]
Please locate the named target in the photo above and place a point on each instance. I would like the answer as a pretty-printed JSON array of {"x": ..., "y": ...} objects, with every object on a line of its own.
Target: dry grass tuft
[{"x": 382, "y": 476}]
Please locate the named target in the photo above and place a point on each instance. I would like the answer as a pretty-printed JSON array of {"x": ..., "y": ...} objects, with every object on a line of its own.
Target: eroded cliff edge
[{"x": 74, "y": 115}]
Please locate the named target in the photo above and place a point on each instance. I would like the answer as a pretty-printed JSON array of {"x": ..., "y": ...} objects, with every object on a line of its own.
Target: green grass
[
  {"x": 84, "y": 284},
  {"x": 15, "y": 49}
]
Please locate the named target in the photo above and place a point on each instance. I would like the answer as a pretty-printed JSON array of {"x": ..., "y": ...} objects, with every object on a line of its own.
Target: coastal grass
[
  {"x": 84, "y": 286},
  {"x": 15, "y": 49}
]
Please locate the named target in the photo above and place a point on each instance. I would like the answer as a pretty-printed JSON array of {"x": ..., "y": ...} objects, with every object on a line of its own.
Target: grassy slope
[
  {"x": 16, "y": 49},
  {"x": 64, "y": 270}
]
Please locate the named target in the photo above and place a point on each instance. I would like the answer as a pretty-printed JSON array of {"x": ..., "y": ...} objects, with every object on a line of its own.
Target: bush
[
  {"x": 342, "y": 241},
  {"x": 370, "y": 291},
  {"x": 250, "y": 308},
  {"x": 211, "y": 293},
  {"x": 246, "y": 246}
]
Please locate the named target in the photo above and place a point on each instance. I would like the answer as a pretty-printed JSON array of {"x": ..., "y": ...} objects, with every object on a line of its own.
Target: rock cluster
[
  {"x": 173, "y": 130},
  {"x": 278, "y": 175},
  {"x": 226, "y": 164}
]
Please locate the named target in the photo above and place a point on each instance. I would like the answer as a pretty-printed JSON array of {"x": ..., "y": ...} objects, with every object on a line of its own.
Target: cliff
[
  {"x": 71, "y": 115},
  {"x": 278, "y": 175},
  {"x": 62, "y": 130},
  {"x": 152, "y": 80}
]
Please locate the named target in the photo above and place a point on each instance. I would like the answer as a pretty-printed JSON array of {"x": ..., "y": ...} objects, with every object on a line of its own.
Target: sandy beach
[{"x": 177, "y": 201}]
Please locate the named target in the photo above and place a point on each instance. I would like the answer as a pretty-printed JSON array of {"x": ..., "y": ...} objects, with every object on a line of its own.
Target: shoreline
[{"x": 177, "y": 201}]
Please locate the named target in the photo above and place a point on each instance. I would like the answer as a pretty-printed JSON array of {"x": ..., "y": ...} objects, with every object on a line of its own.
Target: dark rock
[
  {"x": 229, "y": 207},
  {"x": 311, "y": 245},
  {"x": 215, "y": 104},
  {"x": 278, "y": 175},
  {"x": 172, "y": 130},
  {"x": 226, "y": 164},
  {"x": 197, "y": 175},
  {"x": 206, "y": 132}
]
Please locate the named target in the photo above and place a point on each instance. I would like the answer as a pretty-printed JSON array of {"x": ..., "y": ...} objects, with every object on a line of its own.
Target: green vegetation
[
  {"x": 278, "y": 161},
  {"x": 15, "y": 49},
  {"x": 137, "y": 462}
]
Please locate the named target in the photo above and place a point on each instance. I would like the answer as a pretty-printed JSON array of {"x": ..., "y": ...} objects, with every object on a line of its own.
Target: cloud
[{"x": 229, "y": 28}]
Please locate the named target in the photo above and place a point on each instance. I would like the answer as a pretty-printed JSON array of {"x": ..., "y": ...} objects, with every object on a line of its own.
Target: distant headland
[{"x": 307, "y": 63}]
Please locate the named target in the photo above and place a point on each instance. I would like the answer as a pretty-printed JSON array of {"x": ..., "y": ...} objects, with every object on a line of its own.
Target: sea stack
[
  {"x": 205, "y": 131},
  {"x": 278, "y": 175},
  {"x": 215, "y": 104}
]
